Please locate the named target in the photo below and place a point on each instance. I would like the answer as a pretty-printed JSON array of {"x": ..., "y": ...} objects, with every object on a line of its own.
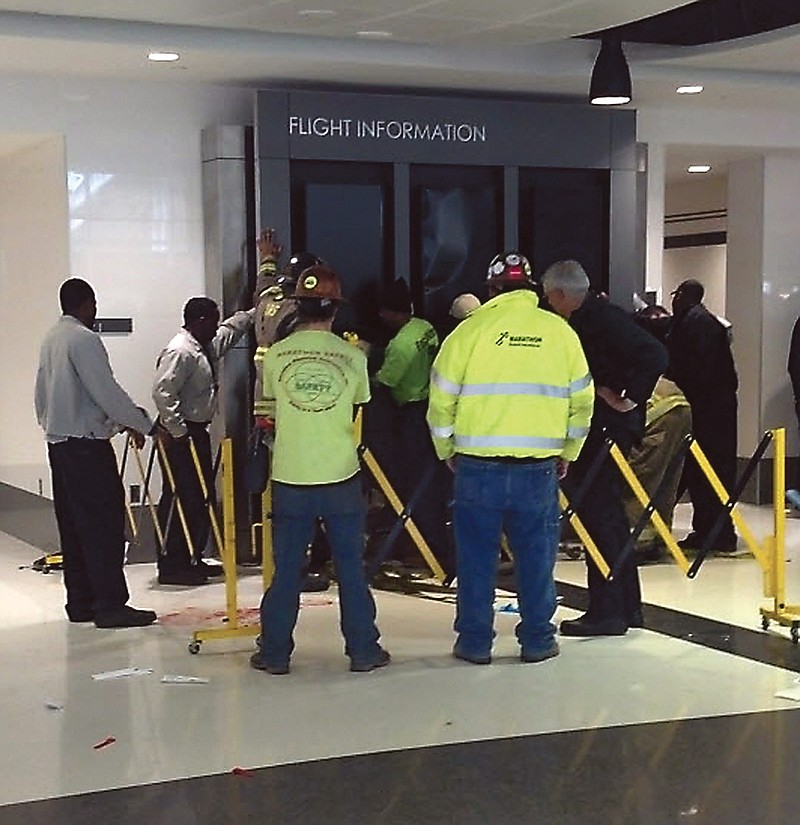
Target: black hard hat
[{"x": 298, "y": 263}]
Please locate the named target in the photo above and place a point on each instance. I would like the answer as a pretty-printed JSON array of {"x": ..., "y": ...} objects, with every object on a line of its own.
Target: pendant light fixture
[{"x": 611, "y": 78}]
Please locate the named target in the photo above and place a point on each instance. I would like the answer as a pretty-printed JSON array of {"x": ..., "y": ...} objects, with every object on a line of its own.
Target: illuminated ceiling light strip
[
  {"x": 163, "y": 57},
  {"x": 689, "y": 90},
  {"x": 698, "y": 168}
]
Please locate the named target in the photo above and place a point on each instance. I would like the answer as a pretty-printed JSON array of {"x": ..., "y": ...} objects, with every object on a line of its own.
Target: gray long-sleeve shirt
[
  {"x": 76, "y": 394},
  {"x": 185, "y": 385}
]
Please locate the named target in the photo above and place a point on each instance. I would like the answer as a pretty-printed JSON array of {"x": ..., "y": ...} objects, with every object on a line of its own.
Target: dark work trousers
[
  {"x": 417, "y": 456},
  {"x": 89, "y": 502},
  {"x": 399, "y": 438},
  {"x": 602, "y": 512},
  {"x": 177, "y": 555},
  {"x": 714, "y": 428}
]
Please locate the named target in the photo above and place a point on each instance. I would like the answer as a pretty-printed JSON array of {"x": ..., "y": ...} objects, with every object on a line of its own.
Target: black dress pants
[
  {"x": 177, "y": 556},
  {"x": 714, "y": 426},
  {"x": 89, "y": 503},
  {"x": 602, "y": 512}
]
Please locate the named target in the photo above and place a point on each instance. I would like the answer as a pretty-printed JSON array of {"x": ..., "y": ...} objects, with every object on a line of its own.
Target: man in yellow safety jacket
[{"x": 510, "y": 406}]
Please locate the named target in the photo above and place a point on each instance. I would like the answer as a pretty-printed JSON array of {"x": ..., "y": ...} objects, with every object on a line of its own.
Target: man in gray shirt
[
  {"x": 80, "y": 406},
  {"x": 185, "y": 391}
]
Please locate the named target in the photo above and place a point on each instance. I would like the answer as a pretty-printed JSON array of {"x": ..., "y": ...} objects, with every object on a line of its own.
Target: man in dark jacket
[
  {"x": 625, "y": 363},
  {"x": 701, "y": 364}
]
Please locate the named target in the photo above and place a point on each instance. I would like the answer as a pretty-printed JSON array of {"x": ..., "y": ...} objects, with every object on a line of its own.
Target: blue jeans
[
  {"x": 520, "y": 499},
  {"x": 296, "y": 508}
]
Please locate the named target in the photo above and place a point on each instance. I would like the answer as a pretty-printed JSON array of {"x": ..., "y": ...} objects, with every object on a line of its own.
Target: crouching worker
[{"x": 311, "y": 382}]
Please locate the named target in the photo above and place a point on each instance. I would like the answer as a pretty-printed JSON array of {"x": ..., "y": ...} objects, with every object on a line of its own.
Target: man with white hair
[
  {"x": 625, "y": 363},
  {"x": 464, "y": 305}
]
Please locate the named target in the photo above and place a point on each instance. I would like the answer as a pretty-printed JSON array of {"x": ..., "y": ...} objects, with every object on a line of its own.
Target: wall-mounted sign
[
  {"x": 389, "y": 128},
  {"x": 377, "y": 129}
]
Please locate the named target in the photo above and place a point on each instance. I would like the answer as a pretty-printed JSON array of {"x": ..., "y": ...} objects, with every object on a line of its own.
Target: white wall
[
  {"x": 135, "y": 224},
  {"x": 34, "y": 251},
  {"x": 704, "y": 263}
]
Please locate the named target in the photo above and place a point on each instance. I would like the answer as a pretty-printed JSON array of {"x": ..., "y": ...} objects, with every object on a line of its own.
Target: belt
[{"x": 510, "y": 459}]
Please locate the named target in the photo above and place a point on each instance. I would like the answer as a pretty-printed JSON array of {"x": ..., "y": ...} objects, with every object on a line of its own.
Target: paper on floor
[{"x": 123, "y": 673}]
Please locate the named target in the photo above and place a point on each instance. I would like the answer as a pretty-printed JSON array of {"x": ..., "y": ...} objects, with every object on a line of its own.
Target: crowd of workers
[{"x": 519, "y": 397}]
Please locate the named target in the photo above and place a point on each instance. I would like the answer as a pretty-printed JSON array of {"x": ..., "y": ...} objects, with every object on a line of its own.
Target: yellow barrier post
[
  {"x": 787, "y": 615},
  {"x": 233, "y": 628}
]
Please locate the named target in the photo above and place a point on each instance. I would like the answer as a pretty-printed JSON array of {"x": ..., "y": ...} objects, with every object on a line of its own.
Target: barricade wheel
[
  {"x": 258, "y": 642},
  {"x": 795, "y": 632},
  {"x": 194, "y": 647},
  {"x": 764, "y": 623}
]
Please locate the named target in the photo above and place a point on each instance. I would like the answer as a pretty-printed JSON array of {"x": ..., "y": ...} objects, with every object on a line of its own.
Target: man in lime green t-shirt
[
  {"x": 407, "y": 453},
  {"x": 311, "y": 382}
]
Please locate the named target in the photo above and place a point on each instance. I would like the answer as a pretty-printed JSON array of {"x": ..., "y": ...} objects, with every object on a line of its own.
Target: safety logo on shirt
[
  {"x": 313, "y": 384},
  {"x": 505, "y": 337}
]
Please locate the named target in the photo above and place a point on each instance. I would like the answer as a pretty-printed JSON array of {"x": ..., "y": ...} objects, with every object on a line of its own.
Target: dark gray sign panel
[{"x": 438, "y": 130}]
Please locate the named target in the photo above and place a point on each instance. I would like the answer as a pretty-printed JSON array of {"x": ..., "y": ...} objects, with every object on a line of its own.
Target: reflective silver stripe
[
  {"x": 442, "y": 432},
  {"x": 577, "y": 432},
  {"x": 580, "y": 383},
  {"x": 441, "y": 383},
  {"x": 516, "y": 388},
  {"x": 510, "y": 441}
]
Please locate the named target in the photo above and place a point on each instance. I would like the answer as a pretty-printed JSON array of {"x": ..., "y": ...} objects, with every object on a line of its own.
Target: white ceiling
[{"x": 511, "y": 46}]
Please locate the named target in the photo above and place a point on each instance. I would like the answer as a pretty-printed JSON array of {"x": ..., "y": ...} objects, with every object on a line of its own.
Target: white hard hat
[{"x": 463, "y": 305}]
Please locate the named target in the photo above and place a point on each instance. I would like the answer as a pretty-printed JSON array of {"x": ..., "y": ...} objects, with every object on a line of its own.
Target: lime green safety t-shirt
[
  {"x": 312, "y": 379},
  {"x": 407, "y": 363}
]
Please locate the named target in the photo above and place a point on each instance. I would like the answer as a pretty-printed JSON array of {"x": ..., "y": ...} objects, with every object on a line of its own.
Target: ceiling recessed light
[
  {"x": 689, "y": 90},
  {"x": 317, "y": 13},
  {"x": 163, "y": 57},
  {"x": 699, "y": 168},
  {"x": 376, "y": 34}
]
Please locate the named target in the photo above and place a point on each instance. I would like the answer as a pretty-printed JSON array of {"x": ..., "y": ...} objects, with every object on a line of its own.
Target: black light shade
[{"x": 611, "y": 78}]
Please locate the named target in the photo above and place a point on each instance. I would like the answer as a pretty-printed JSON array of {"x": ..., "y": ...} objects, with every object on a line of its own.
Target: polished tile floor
[{"x": 669, "y": 726}]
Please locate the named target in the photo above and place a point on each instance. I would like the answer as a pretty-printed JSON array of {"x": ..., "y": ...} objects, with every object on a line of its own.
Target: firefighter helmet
[
  {"x": 509, "y": 268},
  {"x": 293, "y": 268},
  {"x": 319, "y": 282}
]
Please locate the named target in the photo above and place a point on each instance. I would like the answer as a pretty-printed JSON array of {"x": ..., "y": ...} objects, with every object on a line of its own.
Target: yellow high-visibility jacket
[{"x": 511, "y": 380}]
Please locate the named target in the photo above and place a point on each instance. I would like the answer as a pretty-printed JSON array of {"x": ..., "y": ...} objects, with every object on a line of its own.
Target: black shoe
[
  {"x": 210, "y": 571},
  {"x": 649, "y": 552},
  {"x": 693, "y": 541},
  {"x": 532, "y": 656},
  {"x": 594, "y": 626},
  {"x": 79, "y": 616},
  {"x": 382, "y": 658},
  {"x": 125, "y": 617},
  {"x": 259, "y": 664},
  {"x": 636, "y": 619},
  {"x": 190, "y": 577},
  {"x": 316, "y": 583},
  {"x": 477, "y": 659}
]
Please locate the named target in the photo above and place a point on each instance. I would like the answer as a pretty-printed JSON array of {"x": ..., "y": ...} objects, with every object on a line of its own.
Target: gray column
[{"x": 225, "y": 174}]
